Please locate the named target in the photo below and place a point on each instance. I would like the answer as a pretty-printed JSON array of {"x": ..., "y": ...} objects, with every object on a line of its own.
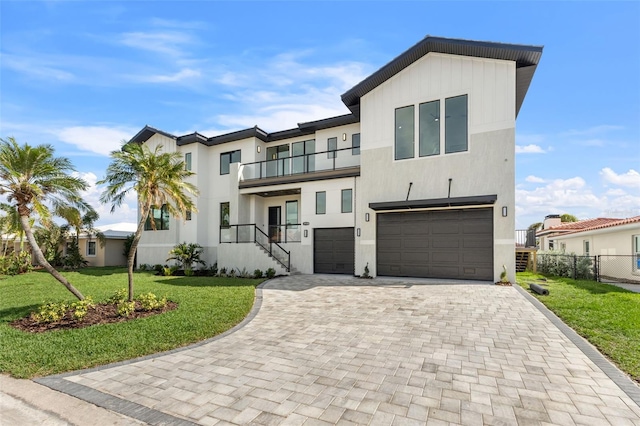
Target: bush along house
[{"x": 417, "y": 180}]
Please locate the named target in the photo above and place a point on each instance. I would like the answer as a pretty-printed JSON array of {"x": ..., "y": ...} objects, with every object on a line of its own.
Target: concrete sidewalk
[{"x": 23, "y": 403}]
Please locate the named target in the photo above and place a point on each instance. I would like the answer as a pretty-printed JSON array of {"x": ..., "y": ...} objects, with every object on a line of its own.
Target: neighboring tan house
[
  {"x": 417, "y": 180},
  {"x": 616, "y": 241},
  {"x": 553, "y": 227}
]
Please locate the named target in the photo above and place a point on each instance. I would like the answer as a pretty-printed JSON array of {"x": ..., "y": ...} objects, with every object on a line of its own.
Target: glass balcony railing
[{"x": 299, "y": 164}]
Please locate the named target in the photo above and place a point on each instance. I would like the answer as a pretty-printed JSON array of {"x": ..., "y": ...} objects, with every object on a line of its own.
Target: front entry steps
[{"x": 280, "y": 270}]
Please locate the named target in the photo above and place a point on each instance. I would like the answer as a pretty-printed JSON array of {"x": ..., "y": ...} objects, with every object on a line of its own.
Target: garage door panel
[
  {"x": 333, "y": 251},
  {"x": 439, "y": 244}
]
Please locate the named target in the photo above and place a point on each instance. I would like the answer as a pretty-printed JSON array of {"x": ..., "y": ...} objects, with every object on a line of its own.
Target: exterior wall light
[
  {"x": 358, "y": 232},
  {"x": 306, "y": 233},
  {"x": 504, "y": 211},
  {"x": 344, "y": 136},
  {"x": 259, "y": 149},
  {"x": 366, "y": 217}
]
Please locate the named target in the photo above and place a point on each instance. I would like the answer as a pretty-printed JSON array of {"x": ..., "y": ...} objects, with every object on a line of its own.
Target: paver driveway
[{"x": 326, "y": 350}]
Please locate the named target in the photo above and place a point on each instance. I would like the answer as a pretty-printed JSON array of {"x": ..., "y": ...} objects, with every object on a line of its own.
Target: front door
[{"x": 274, "y": 223}]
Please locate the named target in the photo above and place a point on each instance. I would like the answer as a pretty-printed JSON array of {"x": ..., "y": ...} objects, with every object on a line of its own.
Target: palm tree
[
  {"x": 31, "y": 177},
  {"x": 159, "y": 180}
]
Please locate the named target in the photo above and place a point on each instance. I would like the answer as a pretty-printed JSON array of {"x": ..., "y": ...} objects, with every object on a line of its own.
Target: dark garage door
[
  {"x": 436, "y": 244},
  {"x": 333, "y": 251}
]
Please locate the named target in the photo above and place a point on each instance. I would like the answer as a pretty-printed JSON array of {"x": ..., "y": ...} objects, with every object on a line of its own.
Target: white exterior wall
[{"x": 486, "y": 168}]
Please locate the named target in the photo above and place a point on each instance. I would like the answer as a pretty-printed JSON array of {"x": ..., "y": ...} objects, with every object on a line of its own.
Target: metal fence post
[{"x": 575, "y": 266}]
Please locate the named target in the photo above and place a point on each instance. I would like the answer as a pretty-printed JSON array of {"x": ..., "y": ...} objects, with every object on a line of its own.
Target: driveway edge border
[
  {"x": 148, "y": 415},
  {"x": 623, "y": 381}
]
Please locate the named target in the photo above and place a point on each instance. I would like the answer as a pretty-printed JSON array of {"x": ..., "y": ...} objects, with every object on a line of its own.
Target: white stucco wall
[{"x": 486, "y": 168}]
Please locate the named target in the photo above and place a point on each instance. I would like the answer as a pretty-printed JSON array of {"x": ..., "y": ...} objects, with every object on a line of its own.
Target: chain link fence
[{"x": 603, "y": 268}]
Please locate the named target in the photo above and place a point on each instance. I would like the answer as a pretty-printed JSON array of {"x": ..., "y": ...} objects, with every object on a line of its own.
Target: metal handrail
[
  {"x": 270, "y": 249},
  {"x": 332, "y": 155}
]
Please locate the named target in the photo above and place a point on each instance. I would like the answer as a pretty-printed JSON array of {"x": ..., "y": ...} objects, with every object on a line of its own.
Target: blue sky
[{"x": 83, "y": 76}]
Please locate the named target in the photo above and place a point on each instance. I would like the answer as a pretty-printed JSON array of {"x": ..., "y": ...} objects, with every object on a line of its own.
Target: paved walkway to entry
[{"x": 324, "y": 350}]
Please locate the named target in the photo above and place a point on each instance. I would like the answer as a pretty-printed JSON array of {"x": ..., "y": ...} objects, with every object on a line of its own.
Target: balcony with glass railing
[{"x": 319, "y": 165}]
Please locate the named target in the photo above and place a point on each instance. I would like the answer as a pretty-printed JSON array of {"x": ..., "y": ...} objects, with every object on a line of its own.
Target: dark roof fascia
[
  {"x": 327, "y": 123},
  {"x": 253, "y": 132},
  {"x": 288, "y": 134},
  {"x": 525, "y": 56},
  {"x": 147, "y": 132},
  {"x": 192, "y": 138},
  {"x": 435, "y": 202}
]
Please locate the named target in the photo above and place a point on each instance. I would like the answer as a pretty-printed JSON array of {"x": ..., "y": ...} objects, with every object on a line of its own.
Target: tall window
[
  {"x": 303, "y": 159},
  {"x": 227, "y": 158},
  {"x": 332, "y": 146},
  {"x": 346, "y": 201},
  {"x": 276, "y": 165},
  {"x": 291, "y": 211},
  {"x": 355, "y": 144},
  {"x": 585, "y": 243},
  {"x": 224, "y": 214},
  {"x": 405, "y": 132},
  {"x": 636, "y": 253},
  {"x": 91, "y": 248},
  {"x": 321, "y": 202},
  {"x": 429, "y": 128},
  {"x": 187, "y": 161},
  {"x": 187, "y": 215},
  {"x": 158, "y": 218},
  {"x": 455, "y": 124}
]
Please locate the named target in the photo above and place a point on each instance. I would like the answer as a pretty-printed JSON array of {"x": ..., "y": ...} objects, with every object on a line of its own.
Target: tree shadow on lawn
[
  {"x": 10, "y": 314},
  {"x": 208, "y": 281},
  {"x": 100, "y": 271}
]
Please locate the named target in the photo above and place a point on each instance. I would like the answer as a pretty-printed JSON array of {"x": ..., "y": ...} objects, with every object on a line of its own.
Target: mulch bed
[
  {"x": 504, "y": 283},
  {"x": 101, "y": 313}
]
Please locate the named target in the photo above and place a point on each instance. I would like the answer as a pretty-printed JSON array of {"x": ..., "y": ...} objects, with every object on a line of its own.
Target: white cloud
[
  {"x": 534, "y": 179},
  {"x": 630, "y": 179},
  {"x": 182, "y": 75},
  {"x": 98, "y": 139},
  {"x": 127, "y": 212},
  {"x": 594, "y": 130},
  {"x": 40, "y": 68},
  {"x": 529, "y": 149},
  {"x": 170, "y": 43}
]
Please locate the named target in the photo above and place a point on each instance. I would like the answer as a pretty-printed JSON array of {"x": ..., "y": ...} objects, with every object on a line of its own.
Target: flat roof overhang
[{"x": 475, "y": 200}]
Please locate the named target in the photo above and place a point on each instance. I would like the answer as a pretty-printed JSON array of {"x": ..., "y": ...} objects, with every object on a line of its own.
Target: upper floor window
[
  {"x": 227, "y": 158},
  {"x": 187, "y": 161},
  {"x": 332, "y": 146},
  {"x": 158, "y": 219},
  {"x": 455, "y": 124},
  {"x": 347, "y": 204},
  {"x": 429, "y": 128},
  {"x": 224, "y": 214},
  {"x": 303, "y": 159},
  {"x": 404, "y": 132},
  {"x": 586, "y": 247},
  {"x": 277, "y": 165},
  {"x": 321, "y": 202},
  {"x": 91, "y": 248},
  {"x": 187, "y": 215},
  {"x": 355, "y": 144}
]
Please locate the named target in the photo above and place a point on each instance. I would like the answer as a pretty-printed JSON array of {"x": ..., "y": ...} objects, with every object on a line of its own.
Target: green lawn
[
  {"x": 606, "y": 315},
  {"x": 207, "y": 307}
]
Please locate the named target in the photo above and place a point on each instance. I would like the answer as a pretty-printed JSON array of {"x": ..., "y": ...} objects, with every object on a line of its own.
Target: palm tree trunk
[
  {"x": 24, "y": 220},
  {"x": 134, "y": 248}
]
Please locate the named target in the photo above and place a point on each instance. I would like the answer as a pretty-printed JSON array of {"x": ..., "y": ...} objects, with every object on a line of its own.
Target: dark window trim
[
  {"x": 395, "y": 133},
  {"x": 324, "y": 210},
  {"x": 342, "y": 206},
  {"x": 332, "y": 150},
  {"x": 188, "y": 164},
  {"x": 164, "y": 213},
  {"x": 355, "y": 149},
  {"x": 230, "y": 155}
]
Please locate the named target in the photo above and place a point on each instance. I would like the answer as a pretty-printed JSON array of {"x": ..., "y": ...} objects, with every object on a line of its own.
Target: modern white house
[{"x": 417, "y": 180}]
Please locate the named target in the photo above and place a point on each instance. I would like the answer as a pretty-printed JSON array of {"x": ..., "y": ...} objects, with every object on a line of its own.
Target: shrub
[
  {"x": 188, "y": 272},
  {"x": 213, "y": 270},
  {"x": 186, "y": 254},
  {"x": 73, "y": 259},
  {"x": 158, "y": 268},
  {"x": 50, "y": 312},
  {"x": 81, "y": 307},
  {"x": 271, "y": 273},
  {"x": 223, "y": 272},
  {"x": 257, "y": 273},
  {"x": 144, "y": 267},
  {"x": 231, "y": 273},
  {"x": 118, "y": 297},
  {"x": 365, "y": 274},
  {"x": 150, "y": 302},
  {"x": 126, "y": 308}
]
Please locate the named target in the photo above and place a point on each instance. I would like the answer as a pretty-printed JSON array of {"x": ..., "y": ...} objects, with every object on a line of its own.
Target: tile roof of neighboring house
[
  {"x": 607, "y": 223},
  {"x": 567, "y": 227}
]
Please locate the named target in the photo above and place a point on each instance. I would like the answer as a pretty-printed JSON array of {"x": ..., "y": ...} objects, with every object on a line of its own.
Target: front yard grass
[
  {"x": 207, "y": 306},
  {"x": 605, "y": 315}
]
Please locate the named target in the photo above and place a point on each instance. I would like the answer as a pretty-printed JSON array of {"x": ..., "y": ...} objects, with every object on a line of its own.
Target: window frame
[
  {"x": 187, "y": 161},
  {"x": 332, "y": 150},
  {"x": 95, "y": 248},
  {"x": 586, "y": 247},
  {"x": 342, "y": 200},
  {"x": 187, "y": 215},
  {"x": 164, "y": 219},
  {"x": 635, "y": 251},
  {"x": 355, "y": 146},
  {"x": 324, "y": 202},
  {"x": 421, "y": 130},
  {"x": 448, "y": 120},
  {"x": 396, "y": 133},
  {"x": 230, "y": 155},
  {"x": 222, "y": 218}
]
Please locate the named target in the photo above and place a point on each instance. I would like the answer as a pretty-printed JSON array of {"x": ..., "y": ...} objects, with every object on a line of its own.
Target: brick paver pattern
[{"x": 325, "y": 350}]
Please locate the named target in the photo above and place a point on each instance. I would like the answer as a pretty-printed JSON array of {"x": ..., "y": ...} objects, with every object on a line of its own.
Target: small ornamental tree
[
  {"x": 160, "y": 180},
  {"x": 186, "y": 255}
]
